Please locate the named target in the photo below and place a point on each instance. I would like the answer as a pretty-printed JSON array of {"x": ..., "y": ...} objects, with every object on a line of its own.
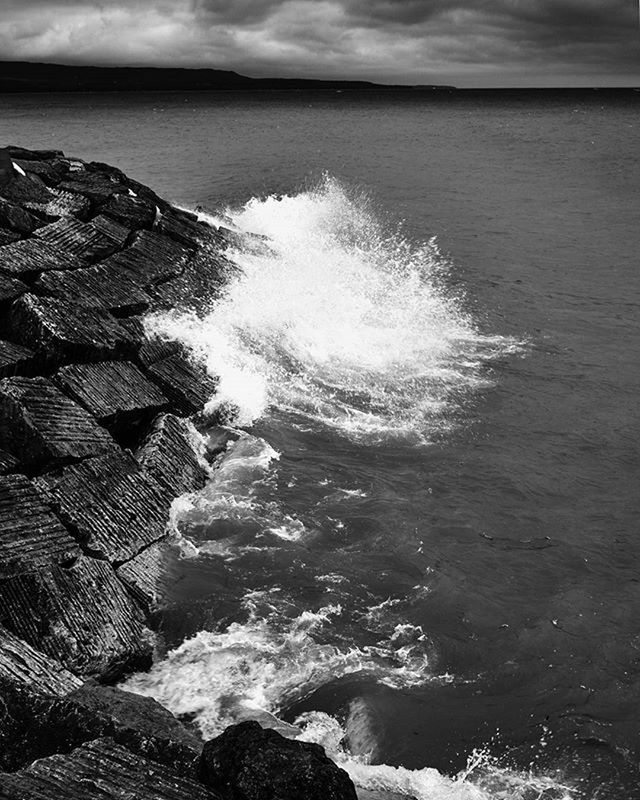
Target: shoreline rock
[{"x": 94, "y": 448}]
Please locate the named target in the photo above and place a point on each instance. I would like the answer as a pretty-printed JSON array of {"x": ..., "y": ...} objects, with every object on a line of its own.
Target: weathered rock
[
  {"x": 6, "y": 168},
  {"x": 169, "y": 454},
  {"x": 113, "y": 506},
  {"x": 151, "y": 258},
  {"x": 10, "y": 288},
  {"x": 186, "y": 384},
  {"x": 37, "y": 724},
  {"x": 101, "y": 286},
  {"x": 22, "y": 664},
  {"x": 155, "y": 349},
  {"x": 8, "y": 463},
  {"x": 34, "y": 255},
  {"x": 116, "y": 393},
  {"x": 88, "y": 241},
  {"x": 184, "y": 227},
  {"x": 51, "y": 171},
  {"x": 16, "y": 218},
  {"x": 199, "y": 285},
  {"x": 247, "y": 762},
  {"x": 8, "y": 237},
  {"x": 44, "y": 427},
  {"x": 100, "y": 770},
  {"x": 97, "y": 186},
  {"x": 23, "y": 189},
  {"x": 61, "y": 332},
  {"x": 14, "y": 359},
  {"x": 30, "y": 534},
  {"x": 132, "y": 212},
  {"x": 145, "y": 575},
  {"x": 16, "y": 152},
  {"x": 61, "y": 204},
  {"x": 80, "y": 615}
]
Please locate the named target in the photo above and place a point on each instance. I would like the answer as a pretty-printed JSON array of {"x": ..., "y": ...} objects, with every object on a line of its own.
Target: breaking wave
[{"x": 337, "y": 321}]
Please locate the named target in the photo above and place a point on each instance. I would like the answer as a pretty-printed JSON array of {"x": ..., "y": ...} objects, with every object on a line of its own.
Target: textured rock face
[
  {"x": 31, "y": 535},
  {"x": 100, "y": 770},
  {"x": 41, "y": 426},
  {"x": 80, "y": 615},
  {"x": 115, "y": 508},
  {"x": 247, "y": 762},
  {"x": 22, "y": 664}
]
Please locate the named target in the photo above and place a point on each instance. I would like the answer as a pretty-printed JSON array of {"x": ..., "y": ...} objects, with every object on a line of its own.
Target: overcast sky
[{"x": 464, "y": 42}]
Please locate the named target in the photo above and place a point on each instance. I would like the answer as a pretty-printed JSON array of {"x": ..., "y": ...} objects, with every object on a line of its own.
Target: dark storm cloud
[{"x": 462, "y": 41}]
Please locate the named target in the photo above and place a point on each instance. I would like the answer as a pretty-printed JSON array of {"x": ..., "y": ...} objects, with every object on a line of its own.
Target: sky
[{"x": 460, "y": 42}]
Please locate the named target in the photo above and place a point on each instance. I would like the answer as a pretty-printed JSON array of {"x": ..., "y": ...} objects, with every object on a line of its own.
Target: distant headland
[{"x": 24, "y": 76}]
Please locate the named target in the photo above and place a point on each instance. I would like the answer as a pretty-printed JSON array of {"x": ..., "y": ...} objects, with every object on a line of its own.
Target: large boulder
[{"x": 248, "y": 762}]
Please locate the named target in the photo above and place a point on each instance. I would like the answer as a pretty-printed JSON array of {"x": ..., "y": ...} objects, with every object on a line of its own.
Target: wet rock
[
  {"x": 101, "y": 286},
  {"x": 183, "y": 227},
  {"x": 90, "y": 241},
  {"x": 132, "y": 212},
  {"x": 248, "y": 762},
  {"x": 23, "y": 189},
  {"x": 96, "y": 771},
  {"x": 169, "y": 454},
  {"x": 37, "y": 724},
  {"x": 146, "y": 574},
  {"x": 199, "y": 285},
  {"x": 97, "y": 186},
  {"x": 8, "y": 237},
  {"x": 116, "y": 393},
  {"x": 44, "y": 427},
  {"x": 51, "y": 171},
  {"x": 7, "y": 171},
  {"x": 61, "y": 332},
  {"x": 114, "y": 508},
  {"x": 80, "y": 615},
  {"x": 155, "y": 349},
  {"x": 151, "y": 258},
  {"x": 16, "y": 152},
  {"x": 61, "y": 204},
  {"x": 10, "y": 288},
  {"x": 22, "y": 664},
  {"x": 34, "y": 255},
  {"x": 8, "y": 463},
  {"x": 14, "y": 359},
  {"x": 186, "y": 384},
  {"x": 30, "y": 534},
  {"x": 16, "y": 218}
]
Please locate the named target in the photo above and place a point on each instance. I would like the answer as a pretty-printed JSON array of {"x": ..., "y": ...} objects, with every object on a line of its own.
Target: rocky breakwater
[{"x": 96, "y": 441}]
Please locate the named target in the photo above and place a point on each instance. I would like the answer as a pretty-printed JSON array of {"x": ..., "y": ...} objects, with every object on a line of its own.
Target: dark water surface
[{"x": 479, "y": 557}]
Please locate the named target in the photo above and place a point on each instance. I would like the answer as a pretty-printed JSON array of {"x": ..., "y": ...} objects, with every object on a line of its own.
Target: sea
[{"x": 420, "y": 545}]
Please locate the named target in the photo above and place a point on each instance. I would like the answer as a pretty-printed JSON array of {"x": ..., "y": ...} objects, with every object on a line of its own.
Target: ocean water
[{"x": 421, "y": 546}]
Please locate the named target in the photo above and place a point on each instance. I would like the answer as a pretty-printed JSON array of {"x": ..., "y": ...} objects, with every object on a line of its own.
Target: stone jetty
[{"x": 96, "y": 441}]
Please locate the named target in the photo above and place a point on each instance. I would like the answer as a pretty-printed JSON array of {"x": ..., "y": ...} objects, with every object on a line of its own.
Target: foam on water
[{"x": 339, "y": 321}]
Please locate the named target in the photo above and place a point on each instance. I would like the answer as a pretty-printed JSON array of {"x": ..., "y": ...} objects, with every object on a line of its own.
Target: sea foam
[{"x": 339, "y": 321}]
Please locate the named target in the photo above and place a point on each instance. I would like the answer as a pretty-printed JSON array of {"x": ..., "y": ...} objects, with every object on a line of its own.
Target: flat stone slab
[
  {"x": 14, "y": 359},
  {"x": 99, "y": 770},
  {"x": 51, "y": 171},
  {"x": 8, "y": 237},
  {"x": 101, "y": 286},
  {"x": 151, "y": 258},
  {"x": 183, "y": 227},
  {"x": 169, "y": 453},
  {"x": 61, "y": 204},
  {"x": 186, "y": 384},
  {"x": 21, "y": 663},
  {"x": 44, "y": 427},
  {"x": 199, "y": 284},
  {"x": 35, "y": 255},
  {"x": 80, "y": 615},
  {"x": 97, "y": 186},
  {"x": 30, "y": 533},
  {"x": 114, "y": 507},
  {"x": 89, "y": 241},
  {"x": 145, "y": 574},
  {"x": 115, "y": 392},
  {"x": 61, "y": 332},
  {"x": 131, "y": 211}
]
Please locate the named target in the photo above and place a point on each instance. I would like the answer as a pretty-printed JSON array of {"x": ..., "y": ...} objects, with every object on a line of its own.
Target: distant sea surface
[{"x": 424, "y": 549}]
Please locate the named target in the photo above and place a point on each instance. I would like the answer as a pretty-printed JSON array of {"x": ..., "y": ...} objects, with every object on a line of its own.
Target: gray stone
[
  {"x": 80, "y": 615},
  {"x": 14, "y": 359},
  {"x": 88, "y": 241},
  {"x": 34, "y": 255},
  {"x": 116, "y": 393},
  {"x": 30, "y": 533},
  {"x": 114, "y": 508},
  {"x": 186, "y": 384},
  {"x": 132, "y": 212},
  {"x": 23, "y": 664},
  {"x": 45, "y": 427}
]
